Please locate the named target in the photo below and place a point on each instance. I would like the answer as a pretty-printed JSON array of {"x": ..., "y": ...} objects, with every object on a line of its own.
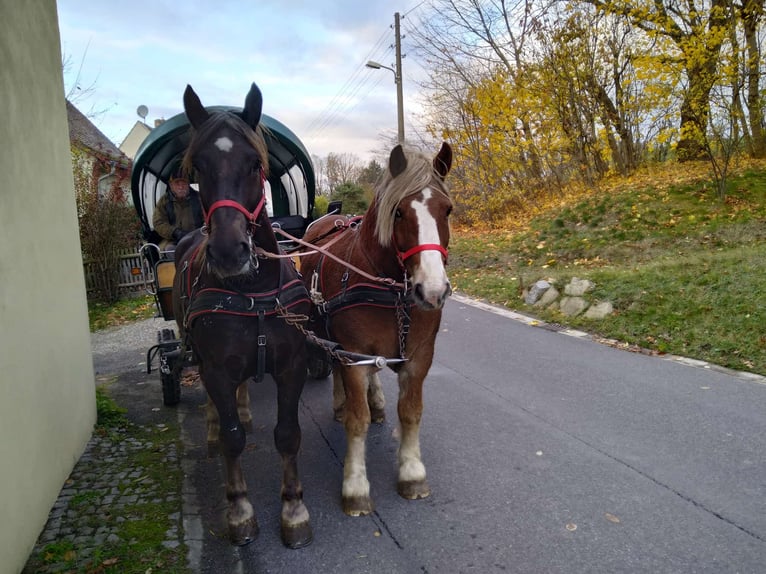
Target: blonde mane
[{"x": 389, "y": 191}]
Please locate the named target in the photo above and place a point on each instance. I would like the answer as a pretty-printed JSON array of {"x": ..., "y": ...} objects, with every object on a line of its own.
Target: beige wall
[
  {"x": 134, "y": 139},
  {"x": 47, "y": 402}
]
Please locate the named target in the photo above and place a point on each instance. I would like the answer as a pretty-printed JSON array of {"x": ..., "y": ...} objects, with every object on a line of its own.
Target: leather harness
[{"x": 214, "y": 300}]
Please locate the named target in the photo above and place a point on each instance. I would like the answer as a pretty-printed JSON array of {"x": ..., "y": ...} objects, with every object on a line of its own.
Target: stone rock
[
  {"x": 536, "y": 291},
  {"x": 548, "y": 297},
  {"x": 599, "y": 310},
  {"x": 578, "y": 287},
  {"x": 572, "y": 306}
]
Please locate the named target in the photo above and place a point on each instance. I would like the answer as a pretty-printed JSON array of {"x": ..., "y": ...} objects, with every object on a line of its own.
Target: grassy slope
[{"x": 684, "y": 270}]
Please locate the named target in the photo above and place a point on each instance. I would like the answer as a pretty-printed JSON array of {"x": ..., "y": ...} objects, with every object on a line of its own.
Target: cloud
[{"x": 301, "y": 54}]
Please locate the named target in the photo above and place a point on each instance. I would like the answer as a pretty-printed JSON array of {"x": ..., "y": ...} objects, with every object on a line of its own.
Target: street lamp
[{"x": 399, "y": 97}]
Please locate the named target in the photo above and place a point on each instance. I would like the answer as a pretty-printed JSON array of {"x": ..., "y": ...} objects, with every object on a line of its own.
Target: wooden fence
[{"x": 134, "y": 274}]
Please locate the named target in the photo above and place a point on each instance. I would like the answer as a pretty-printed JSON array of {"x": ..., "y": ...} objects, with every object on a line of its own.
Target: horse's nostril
[{"x": 419, "y": 292}]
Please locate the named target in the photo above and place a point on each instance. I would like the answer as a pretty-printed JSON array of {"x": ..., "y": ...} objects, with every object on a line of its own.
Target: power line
[{"x": 340, "y": 103}]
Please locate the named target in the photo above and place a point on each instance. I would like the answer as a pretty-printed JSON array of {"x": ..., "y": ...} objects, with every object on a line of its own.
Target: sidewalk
[{"x": 120, "y": 510}]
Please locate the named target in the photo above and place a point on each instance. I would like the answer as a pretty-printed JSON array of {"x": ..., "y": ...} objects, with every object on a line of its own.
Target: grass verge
[
  {"x": 103, "y": 315},
  {"x": 684, "y": 270}
]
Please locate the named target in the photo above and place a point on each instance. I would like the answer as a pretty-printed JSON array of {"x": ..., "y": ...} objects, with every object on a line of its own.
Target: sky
[{"x": 306, "y": 57}]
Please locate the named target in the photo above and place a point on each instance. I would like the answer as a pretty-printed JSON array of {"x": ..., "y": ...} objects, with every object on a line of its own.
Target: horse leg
[
  {"x": 356, "y": 487},
  {"x": 412, "y": 482},
  {"x": 243, "y": 406},
  {"x": 295, "y": 526},
  {"x": 243, "y": 526},
  {"x": 375, "y": 398},
  {"x": 213, "y": 424},
  {"x": 213, "y": 428},
  {"x": 338, "y": 395}
]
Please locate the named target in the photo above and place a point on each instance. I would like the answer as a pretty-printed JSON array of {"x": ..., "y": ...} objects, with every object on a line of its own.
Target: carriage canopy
[{"x": 291, "y": 175}]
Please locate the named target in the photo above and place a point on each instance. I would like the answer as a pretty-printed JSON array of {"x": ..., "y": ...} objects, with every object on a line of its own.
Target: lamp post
[{"x": 399, "y": 96}]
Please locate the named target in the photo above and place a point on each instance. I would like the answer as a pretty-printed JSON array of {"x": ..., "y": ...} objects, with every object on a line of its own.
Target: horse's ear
[
  {"x": 397, "y": 163},
  {"x": 443, "y": 160},
  {"x": 253, "y": 106},
  {"x": 194, "y": 109}
]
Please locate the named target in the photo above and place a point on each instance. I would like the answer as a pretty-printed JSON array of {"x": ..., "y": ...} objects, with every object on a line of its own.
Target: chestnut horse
[
  {"x": 392, "y": 308},
  {"x": 231, "y": 305}
]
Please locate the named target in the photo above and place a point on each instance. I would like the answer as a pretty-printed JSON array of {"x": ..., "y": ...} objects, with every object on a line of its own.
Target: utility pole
[{"x": 398, "y": 78}]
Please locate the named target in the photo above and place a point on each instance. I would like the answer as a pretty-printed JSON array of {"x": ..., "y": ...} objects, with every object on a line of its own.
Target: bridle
[
  {"x": 252, "y": 216},
  {"x": 404, "y": 255}
]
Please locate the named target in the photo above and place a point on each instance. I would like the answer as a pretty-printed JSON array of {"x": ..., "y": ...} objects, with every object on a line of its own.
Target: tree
[
  {"x": 352, "y": 196},
  {"x": 697, "y": 30},
  {"x": 340, "y": 168},
  {"x": 108, "y": 225},
  {"x": 369, "y": 175}
]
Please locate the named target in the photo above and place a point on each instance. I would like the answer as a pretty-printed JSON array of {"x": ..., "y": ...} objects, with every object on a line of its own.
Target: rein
[{"x": 316, "y": 249}]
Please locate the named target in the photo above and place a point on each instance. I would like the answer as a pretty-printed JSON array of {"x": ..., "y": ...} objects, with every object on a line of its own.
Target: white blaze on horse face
[
  {"x": 430, "y": 274},
  {"x": 224, "y": 144}
]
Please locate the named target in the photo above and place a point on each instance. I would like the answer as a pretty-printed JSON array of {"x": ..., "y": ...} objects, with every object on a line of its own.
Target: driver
[{"x": 177, "y": 212}]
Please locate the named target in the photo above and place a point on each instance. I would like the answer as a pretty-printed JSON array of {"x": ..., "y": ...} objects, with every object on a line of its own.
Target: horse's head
[
  {"x": 413, "y": 215},
  {"x": 229, "y": 158}
]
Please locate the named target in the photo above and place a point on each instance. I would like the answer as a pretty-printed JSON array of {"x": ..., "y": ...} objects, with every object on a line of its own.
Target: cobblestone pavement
[
  {"x": 118, "y": 476},
  {"x": 97, "y": 499}
]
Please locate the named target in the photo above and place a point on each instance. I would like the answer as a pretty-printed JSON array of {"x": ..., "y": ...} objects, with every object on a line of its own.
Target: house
[
  {"x": 96, "y": 160},
  {"x": 134, "y": 139}
]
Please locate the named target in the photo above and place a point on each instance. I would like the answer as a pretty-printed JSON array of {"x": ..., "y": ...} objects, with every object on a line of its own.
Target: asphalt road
[{"x": 545, "y": 453}]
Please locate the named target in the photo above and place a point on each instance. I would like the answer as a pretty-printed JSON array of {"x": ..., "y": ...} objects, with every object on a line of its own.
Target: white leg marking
[
  {"x": 224, "y": 144},
  {"x": 354, "y": 470},
  {"x": 294, "y": 512},
  {"x": 411, "y": 468}
]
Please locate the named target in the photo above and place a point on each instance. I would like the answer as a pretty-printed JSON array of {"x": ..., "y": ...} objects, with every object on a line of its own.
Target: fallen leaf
[
  {"x": 70, "y": 555},
  {"x": 571, "y": 527},
  {"x": 611, "y": 518},
  {"x": 376, "y": 534},
  {"x": 110, "y": 561}
]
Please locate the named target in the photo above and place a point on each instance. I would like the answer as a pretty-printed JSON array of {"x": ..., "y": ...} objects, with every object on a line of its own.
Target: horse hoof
[
  {"x": 297, "y": 536},
  {"x": 357, "y": 505},
  {"x": 243, "y": 534},
  {"x": 413, "y": 489}
]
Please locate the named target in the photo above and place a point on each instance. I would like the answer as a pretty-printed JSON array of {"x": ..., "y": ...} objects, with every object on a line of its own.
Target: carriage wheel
[
  {"x": 166, "y": 335},
  {"x": 171, "y": 390},
  {"x": 319, "y": 366},
  {"x": 170, "y": 376}
]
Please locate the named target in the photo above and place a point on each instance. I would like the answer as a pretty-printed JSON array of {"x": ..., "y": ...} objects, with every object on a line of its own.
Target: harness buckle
[
  {"x": 314, "y": 292},
  {"x": 261, "y": 340}
]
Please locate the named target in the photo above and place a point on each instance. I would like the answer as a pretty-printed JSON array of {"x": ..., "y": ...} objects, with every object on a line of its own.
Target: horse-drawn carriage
[
  {"x": 376, "y": 289},
  {"x": 290, "y": 207}
]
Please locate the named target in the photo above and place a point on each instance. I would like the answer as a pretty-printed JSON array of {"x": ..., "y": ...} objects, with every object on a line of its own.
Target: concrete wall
[{"x": 47, "y": 396}]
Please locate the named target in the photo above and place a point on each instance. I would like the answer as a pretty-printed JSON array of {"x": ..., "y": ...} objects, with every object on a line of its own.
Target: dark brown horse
[
  {"x": 231, "y": 305},
  {"x": 392, "y": 308}
]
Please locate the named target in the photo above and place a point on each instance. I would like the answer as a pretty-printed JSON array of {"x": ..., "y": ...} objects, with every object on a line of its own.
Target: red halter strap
[
  {"x": 424, "y": 247},
  {"x": 251, "y": 216}
]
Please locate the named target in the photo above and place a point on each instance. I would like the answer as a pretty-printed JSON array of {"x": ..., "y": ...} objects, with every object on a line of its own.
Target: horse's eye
[{"x": 398, "y": 214}]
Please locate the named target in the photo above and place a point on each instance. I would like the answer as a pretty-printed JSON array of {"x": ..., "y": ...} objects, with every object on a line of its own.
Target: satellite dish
[{"x": 142, "y": 111}]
